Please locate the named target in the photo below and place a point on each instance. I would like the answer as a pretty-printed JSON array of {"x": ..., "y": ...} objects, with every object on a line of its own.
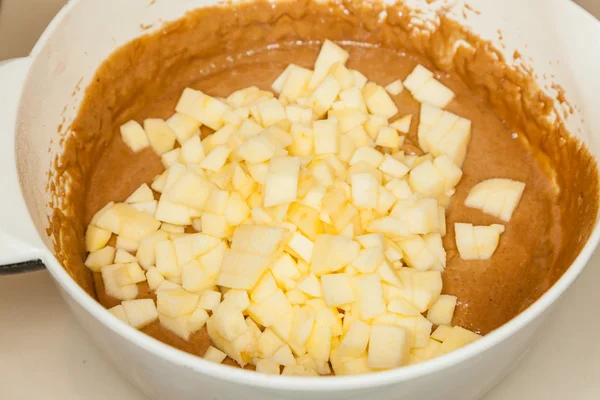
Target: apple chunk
[{"x": 281, "y": 185}]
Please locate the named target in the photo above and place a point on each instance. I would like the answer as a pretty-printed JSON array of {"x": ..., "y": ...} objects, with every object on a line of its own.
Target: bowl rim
[{"x": 313, "y": 384}]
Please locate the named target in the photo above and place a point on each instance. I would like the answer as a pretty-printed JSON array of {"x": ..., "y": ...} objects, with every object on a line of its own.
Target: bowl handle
[{"x": 20, "y": 244}]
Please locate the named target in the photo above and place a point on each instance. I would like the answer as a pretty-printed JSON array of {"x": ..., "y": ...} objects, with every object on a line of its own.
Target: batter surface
[{"x": 219, "y": 50}]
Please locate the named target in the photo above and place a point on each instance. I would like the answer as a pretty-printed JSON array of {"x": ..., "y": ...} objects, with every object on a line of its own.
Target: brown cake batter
[{"x": 221, "y": 49}]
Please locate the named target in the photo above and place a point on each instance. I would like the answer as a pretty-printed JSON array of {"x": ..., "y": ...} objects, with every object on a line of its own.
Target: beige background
[{"x": 45, "y": 355}]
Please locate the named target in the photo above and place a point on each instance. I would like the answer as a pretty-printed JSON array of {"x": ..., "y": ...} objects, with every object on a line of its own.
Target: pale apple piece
[
  {"x": 258, "y": 172},
  {"x": 271, "y": 111},
  {"x": 399, "y": 305},
  {"x": 393, "y": 253},
  {"x": 441, "y": 132},
  {"x": 242, "y": 97},
  {"x": 187, "y": 98},
  {"x": 402, "y": 124},
  {"x": 141, "y": 194},
  {"x": 497, "y": 197},
  {"x": 129, "y": 274},
  {"x": 242, "y": 182},
  {"x": 100, "y": 258},
  {"x": 342, "y": 74},
  {"x": 268, "y": 343},
  {"x": 385, "y": 200},
  {"x": 249, "y": 129},
  {"x": 314, "y": 197},
  {"x": 127, "y": 244},
  {"x": 160, "y": 135},
  {"x": 433, "y": 241},
  {"x": 371, "y": 240},
  {"x": 220, "y": 137},
  {"x": 388, "y": 137},
  {"x": 427, "y": 352},
  {"x": 190, "y": 189},
  {"x": 417, "y": 254},
  {"x": 123, "y": 257},
  {"x": 268, "y": 367},
  {"x": 146, "y": 251},
  {"x": 261, "y": 240},
  {"x": 215, "y": 160},
  {"x": 359, "y": 138},
  {"x": 134, "y": 136},
  {"x": 295, "y": 84},
  {"x": 242, "y": 270},
  {"x": 285, "y": 268},
  {"x": 379, "y": 101},
  {"x": 318, "y": 344},
  {"x": 310, "y": 285},
  {"x": 326, "y": 136},
  {"x": 166, "y": 260},
  {"x": 295, "y": 296},
  {"x": 367, "y": 154},
  {"x": 167, "y": 285},
  {"x": 111, "y": 287},
  {"x": 417, "y": 78},
  {"x": 215, "y": 355},
  {"x": 301, "y": 246},
  {"x": 154, "y": 278},
  {"x": 140, "y": 313},
  {"x": 393, "y": 167},
  {"x": 298, "y": 115},
  {"x": 209, "y": 300},
  {"x": 450, "y": 171},
  {"x": 177, "y": 325},
  {"x": 348, "y": 118},
  {"x": 237, "y": 209},
  {"x": 426, "y": 180},
  {"x": 282, "y": 181},
  {"x": 149, "y": 207},
  {"x": 159, "y": 182},
  {"x": 364, "y": 190},
  {"x": 352, "y": 98},
  {"x": 283, "y": 356},
  {"x": 421, "y": 215},
  {"x": 399, "y": 188},
  {"x": 112, "y": 218},
  {"x": 183, "y": 126},
  {"x": 368, "y": 259},
  {"x": 229, "y": 321},
  {"x": 170, "y": 157},
  {"x": 268, "y": 310},
  {"x": 332, "y": 253},
  {"x": 279, "y": 82},
  {"x": 260, "y": 216},
  {"x": 138, "y": 225},
  {"x": 256, "y": 150},
  {"x": 209, "y": 111},
  {"x": 426, "y": 287},
  {"x": 435, "y": 93},
  {"x": 355, "y": 340},
  {"x": 487, "y": 238},
  {"x": 193, "y": 277},
  {"x": 394, "y": 88},
  {"x": 337, "y": 289},
  {"x": 441, "y": 312},
  {"x": 389, "y": 346},
  {"x": 119, "y": 312},
  {"x": 176, "y": 302},
  {"x": 465, "y": 241},
  {"x": 370, "y": 296},
  {"x": 388, "y": 275},
  {"x": 390, "y": 227},
  {"x": 329, "y": 55},
  {"x": 373, "y": 125},
  {"x": 441, "y": 333},
  {"x": 96, "y": 238},
  {"x": 192, "y": 151},
  {"x": 324, "y": 96},
  {"x": 303, "y": 322},
  {"x": 215, "y": 225},
  {"x": 457, "y": 338}
]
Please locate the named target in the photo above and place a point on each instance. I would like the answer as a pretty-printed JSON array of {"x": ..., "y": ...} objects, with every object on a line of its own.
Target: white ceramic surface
[{"x": 65, "y": 54}]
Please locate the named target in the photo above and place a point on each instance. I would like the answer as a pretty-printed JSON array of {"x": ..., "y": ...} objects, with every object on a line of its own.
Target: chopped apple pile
[{"x": 299, "y": 233}]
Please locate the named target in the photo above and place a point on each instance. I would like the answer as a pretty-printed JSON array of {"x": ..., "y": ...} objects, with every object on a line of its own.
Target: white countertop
[{"x": 44, "y": 354}]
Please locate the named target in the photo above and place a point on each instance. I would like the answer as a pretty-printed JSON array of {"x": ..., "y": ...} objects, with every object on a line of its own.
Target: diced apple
[
  {"x": 183, "y": 126},
  {"x": 100, "y": 258},
  {"x": 282, "y": 181},
  {"x": 497, "y": 197},
  {"x": 272, "y": 307},
  {"x": 217, "y": 157},
  {"x": 332, "y": 253},
  {"x": 337, "y": 289},
  {"x": 457, "y": 338},
  {"x": 324, "y": 95},
  {"x": 370, "y": 296},
  {"x": 111, "y": 287},
  {"x": 134, "y": 136},
  {"x": 441, "y": 312},
  {"x": 140, "y": 313},
  {"x": 426, "y": 180},
  {"x": 402, "y": 124},
  {"x": 160, "y": 135},
  {"x": 119, "y": 312},
  {"x": 379, "y": 101},
  {"x": 96, "y": 238}
]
